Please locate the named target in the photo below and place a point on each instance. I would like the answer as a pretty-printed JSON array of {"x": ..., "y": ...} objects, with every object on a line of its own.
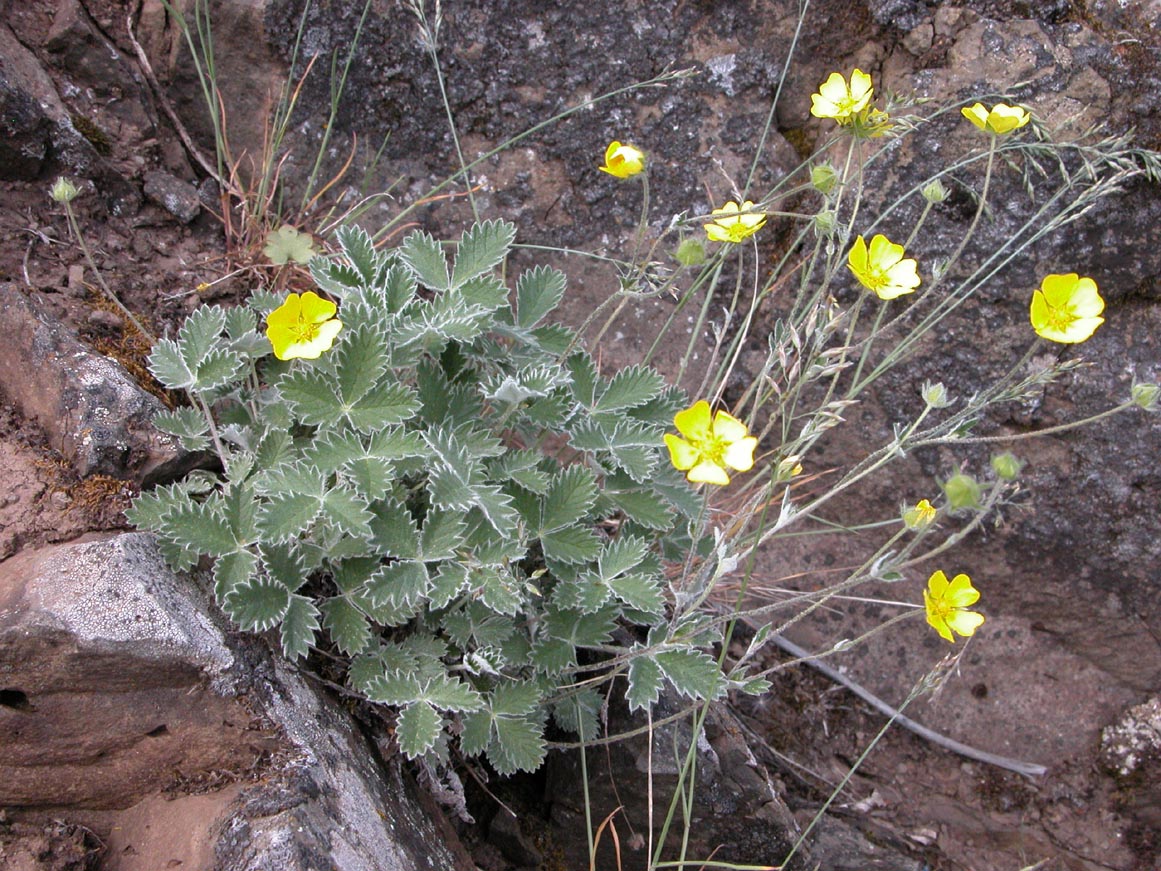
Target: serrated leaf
[
  {"x": 383, "y": 406},
  {"x": 498, "y": 590},
  {"x": 188, "y": 424},
  {"x": 553, "y": 655},
  {"x": 312, "y": 397},
  {"x": 346, "y": 624},
  {"x": 284, "y": 517},
  {"x": 200, "y": 527},
  {"x": 477, "y": 732},
  {"x": 241, "y": 322},
  {"x": 453, "y": 695},
  {"x": 449, "y": 581},
  {"x": 586, "y": 593},
  {"x": 337, "y": 279},
  {"x": 647, "y": 509},
  {"x": 398, "y": 288},
  {"x": 393, "y": 689},
  {"x": 514, "y": 698},
  {"x": 571, "y": 493},
  {"x": 693, "y": 673},
  {"x": 518, "y": 746},
  {"x": 621, "y": 555},
  {"x": 417, "y": 729},
  {"x": 640, "y": 591},
  {"x": 573, "y": 545},
  {"x": 538, "y": 292},
  {"x": 551, "y": 412},
  {"x": 257, "y": 605},
  {"x": 286, "y": 244},
  {"x": 645, "y": 679},
  {"x": 443, "y": 532},
  {"x": 584, "y": 378},
  {"x": 629, "y": 388},
  {"x": 232, "y": 570},
  {"x": 394, "y": 530},
  {"x": 150, "y": 508},
  {"x": 398, "y": 585},
  {"x": 299, "y": 628},
  {"x": 362, "y": 359},
  {"x": 348, "y": 512},
  {"x": 424, "y": 256},
  {"x": 483, "y": 246},
  {"x": 356, "y": 244},
  {"x": 372, "y": 478},
  {"x": 583, "y": 630},
  {"x": 496, "y": 506},
  {"x": 640, "y": 463},
  {"x": 218, "y": 368},
  {"x": 168, "y": 366},
  {"x": 200, "y": 333},
  {"x": 578, "y": 713}
]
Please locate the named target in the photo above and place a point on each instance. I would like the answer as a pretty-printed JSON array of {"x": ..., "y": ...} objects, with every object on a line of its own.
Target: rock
[
  {"x": 1134, "y": 741},
  {"x": 179, "y": 198},
  {"x": 120, "y": 681},
  {"x": 92, "y": 409},
  {"x": 738, "y": 815}
]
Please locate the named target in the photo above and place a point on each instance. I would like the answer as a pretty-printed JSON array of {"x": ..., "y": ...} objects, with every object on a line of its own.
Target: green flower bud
[
  {"x": 1145, "y": 395},
  {"x": 935, "y": 192},
  {"x": 1006, "y": 466},
  {"x": 823, "y": 177},
  {"x": 962, "y": 491},
  {"x": 690, "y": 253},
  {"x": 63, "y": 190},
  {"x": 824, "y": 222},
  {"x": 935, "y": 395}
]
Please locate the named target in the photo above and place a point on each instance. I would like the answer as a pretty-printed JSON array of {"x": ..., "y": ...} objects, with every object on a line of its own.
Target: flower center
[
  {"x": 305, "y": 331},
  {"x": 1060, "y": 319},
  {"x": 713, "y": 449}
]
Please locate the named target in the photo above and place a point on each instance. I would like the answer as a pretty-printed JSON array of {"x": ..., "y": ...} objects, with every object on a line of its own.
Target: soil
[{"x": 909, "y": 794}]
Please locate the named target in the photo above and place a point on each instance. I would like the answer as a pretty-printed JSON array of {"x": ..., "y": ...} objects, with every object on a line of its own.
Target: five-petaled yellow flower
[
  {"x": 736, "y": 222},
  {"x": 623, "y": 160},
  {"x": 1000, "y": 119},
  {"x": 711, "y": 445},
  {"x": 946, "y": 603},
  {"x": 841, "y": 101},
  {"x": 303, "y": 326},
  {"x": 882, "y": 268},
  {"x": 1066, "y": 308}
]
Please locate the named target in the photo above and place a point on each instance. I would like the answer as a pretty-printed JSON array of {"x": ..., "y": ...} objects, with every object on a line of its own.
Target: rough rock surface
[
  {"x": 118, "y": 681},
  {"x": 98, "y": 416}
]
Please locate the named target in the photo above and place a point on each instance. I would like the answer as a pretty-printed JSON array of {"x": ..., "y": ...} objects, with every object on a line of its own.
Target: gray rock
[
  {"x": 179, "y": 198},
  {"x": 94, "y": 412},
  {"x": 120, "y": 680}
]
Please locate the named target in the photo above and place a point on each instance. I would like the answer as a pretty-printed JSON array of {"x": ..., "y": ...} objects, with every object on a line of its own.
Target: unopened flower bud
[
  {"x": 935, "y": 192},
  {"x": 823, "y": 177},
  {"x": 962, "y": 491},
  {"x": 63, "y": 190},
  {"x": 1006, "y": 466},
  {"x": 690, "y": 253},
  {"x": 935, "y": 395},
  {"x": 1145, "y": 395},
  {"x": 824, "y": 222}
]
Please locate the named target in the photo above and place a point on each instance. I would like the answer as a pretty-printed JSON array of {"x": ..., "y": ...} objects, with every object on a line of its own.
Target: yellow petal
[
  {"x": 708, "y": 473},
  {"x": 740, "y": 455},
  {"x": 977, "y": 114},
  {"x": 960, "y": 593},
  {"x": 717, "y": 233},
  {"x": 315, "y": 309},
  {"x": 861, "y": 89},
  {"x": 884, "y": 253},
  {"x": 965, "y": 622},
  {"x": 937, "y": 584},
  {"x": 728, "y": 427},
  {"x": 694, "y": 422},
  {"x": 857, "y": 258},
  {"x": 682, "y": 454},
  {"x": 935, "y": 619}
]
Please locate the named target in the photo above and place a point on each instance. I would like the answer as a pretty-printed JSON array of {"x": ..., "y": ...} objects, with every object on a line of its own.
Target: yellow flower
[
  {"x": 710, "y": 445},
  {"x": 921, "y": 516},
  {"x": 302, "y": 326},
  {"x": 1000, "y": 119},
  {"x": 623, "y": 160},
  {"x": 1066, "y": 308},
  {"x": 840, "y": 101},
  {"x": 946, "y": 604},
  {"x": 733, "y": 225},
  {"x": 882, "y": 268}
]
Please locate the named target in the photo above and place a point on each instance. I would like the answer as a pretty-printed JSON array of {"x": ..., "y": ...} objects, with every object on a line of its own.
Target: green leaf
[
  {"x": 362, "y": 360},
  {"x": 417, "y": 729},
  {"x": 573, "y": 545},
  {"x": 629, "y": 388},
  {"x": 449, "y": 581},
  {"x": 257, "y": 605},
  {"x": 188, "y": 424},
  {"x": 645, "y": 681},
  {"x": 583, "y": 630},
  {"x": 443, "y": 532},
  {"x": 640, "y": 463},
  {"x": 284, "y": 517},
  {"x": 424, "y": 256},
  {"x": 586, "y": 593},
  {"x": 312, "y": 397},
  {"x": 399, "y": 585},
  {"x": 483, "y": 296},
  {"x": 299, "y": 627},
  {"x": 584, "y": 378},
  {"x": 167, "y": 365},
  {"x": 498, "y": 590},
  {"x": 200, "y": 527},
  {"x": 218, "y": 368},
  {"x": 553, "y": 655},
  {"x": 398, "y": 288},
  {"x": 394, "y": 530},
  {"x": 515, "y": 698},
  {"x": 241, "y": 323},
  {"x": 286, "y": 244},
  {"x": 482, "y": 247},
  {"x": 519, "y": 745},
  {"x": 538, "y": 292},
  {"x": 477, "y": 732},
  {"x": 621, "y": 555},
  {"x": 232, "y": 570},
  {"x": 384, "y": 405},
  {"x": 579, "y": 713},
  {"x": 200, "y": 334},
  {"x": 640, "y": 591},
  {"x": 356, "y": 244},
  {"x": 348, "y": 512},
  {"x": 337, "y": 279},
  {"x": 643, "y": 507},
  {"x": 346, "y": 624},
  {"x": 453, "y": 695},
  {"x": 693, "y": 673},
  {"x": 571, "y": 493},
  {"x": 496, "y": 506}
]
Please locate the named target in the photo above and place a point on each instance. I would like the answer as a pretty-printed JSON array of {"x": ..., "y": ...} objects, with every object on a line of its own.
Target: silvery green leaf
[
  {"x": 498, "y": 590},
  {"x": 587, "y": 593},
  {"x": 348, "y": 512},
  {"x": 496, "y": 506},
  {"x": 578, "y": 713},
  {"x": 417, "y": 729},
  {"x": 337, "y": 279},
  {"x": 449, "y": 582},
  {"x": 233, "y": 570},
  {"x": 398, "y": 288},
  {"x": 639, "y": 590},
  {"x": 424, "y": 256},
  {"x": 394, "y": 530},
  {"x": 312, "y": 397},
  {"x": 169, "y": 367},
  {"x": 572, "y": 544},
  {"x": 346, "y": 624},
  {"x": 584, "y": 377},
  {"x": 398, "y": 584},
  {"x": 201, "y": 527},
  {"x": 356, "y": 244},
  {"x": 188, "y": 424},
  {"x": 200, "y": 334},
  {"x": 583, "y": 630},
  {"x": 482, "y": 297},
  {"x": 284, "y": 516},
  {"x": 693, "y": 673},
  {"x": 553, "y": 655},
  {"x": 443, "y": 532},
  {"x": 645, "y": 680},
  {"x": 482, "y": 247},
  {"x": 384, "y": 405},
  {"x": 642, "y": 507},
  {"x": 257, "y": 605},
  {"x": 640, "y": 463},
  {"x": 538, "y": 292},
  {"x": 452, "y": 695},
  {"x": 571, "y": 493},
  {"x": 362, "y": 359},
  {"x": 519, "y": 745},
  {"x": 621, "y": 555},
  {"x": 299, "y": 628},
  {"x": 629, "y": 388}
]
